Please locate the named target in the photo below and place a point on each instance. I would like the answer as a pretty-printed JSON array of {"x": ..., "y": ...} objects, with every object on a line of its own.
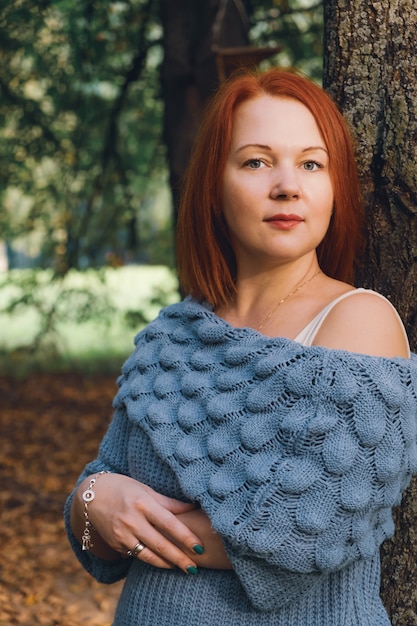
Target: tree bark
[{"x": 370, "y": 69}]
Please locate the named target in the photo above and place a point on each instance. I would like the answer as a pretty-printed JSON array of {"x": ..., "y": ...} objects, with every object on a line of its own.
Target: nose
[{"x": 285, "y": 185}]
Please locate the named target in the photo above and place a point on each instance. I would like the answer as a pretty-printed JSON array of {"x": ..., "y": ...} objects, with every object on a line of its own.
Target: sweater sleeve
[
  {"x": 297, "y": 461},
  {"x": 320, "y": 478},
  {"x": 112, "y": 457}
]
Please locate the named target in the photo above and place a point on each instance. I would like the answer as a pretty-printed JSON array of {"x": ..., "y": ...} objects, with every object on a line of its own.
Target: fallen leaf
[{"x": 50, "y": 426}]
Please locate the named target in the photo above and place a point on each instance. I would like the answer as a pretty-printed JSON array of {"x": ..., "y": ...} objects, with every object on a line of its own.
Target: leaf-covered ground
[{"x": 50, "y": 426}]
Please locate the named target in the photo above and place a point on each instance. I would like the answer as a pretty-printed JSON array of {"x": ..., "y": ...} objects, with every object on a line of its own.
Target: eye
[
  {"x": 312, "y": 166},
  {"x": 253, "y": 164}
]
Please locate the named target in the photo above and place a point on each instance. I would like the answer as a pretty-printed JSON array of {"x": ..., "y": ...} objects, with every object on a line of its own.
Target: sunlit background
[{"x": 87, "y": 218}]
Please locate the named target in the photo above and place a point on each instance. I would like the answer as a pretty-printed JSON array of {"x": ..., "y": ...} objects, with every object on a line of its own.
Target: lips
[{"x": 284, "y": 221}]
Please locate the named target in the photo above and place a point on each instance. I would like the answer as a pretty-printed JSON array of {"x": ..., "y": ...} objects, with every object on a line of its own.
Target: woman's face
[{"x": 277, "y": 193}]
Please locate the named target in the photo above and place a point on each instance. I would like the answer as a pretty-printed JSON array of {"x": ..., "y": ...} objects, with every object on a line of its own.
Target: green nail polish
[
  {"x": 192, "y": 570},
  {"x": 198, "y": 549}
]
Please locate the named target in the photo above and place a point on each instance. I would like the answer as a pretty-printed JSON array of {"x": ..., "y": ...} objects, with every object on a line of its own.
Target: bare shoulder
[{"x": 364, "y": 322}]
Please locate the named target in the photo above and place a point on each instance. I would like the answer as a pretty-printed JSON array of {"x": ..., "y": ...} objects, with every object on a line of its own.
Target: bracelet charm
[{"x": 88, "y": 496}]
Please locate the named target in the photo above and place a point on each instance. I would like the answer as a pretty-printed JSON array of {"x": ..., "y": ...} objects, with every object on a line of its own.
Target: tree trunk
[
  {"x": 370, "y": 69},
  {"x": 189, "y": 71}
]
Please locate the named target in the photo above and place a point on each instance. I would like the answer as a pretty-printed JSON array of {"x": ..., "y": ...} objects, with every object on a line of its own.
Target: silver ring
[{"x": 137, "y": 549}]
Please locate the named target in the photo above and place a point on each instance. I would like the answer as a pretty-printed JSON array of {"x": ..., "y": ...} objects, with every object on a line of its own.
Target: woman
[{"x": 265, "y": 427}]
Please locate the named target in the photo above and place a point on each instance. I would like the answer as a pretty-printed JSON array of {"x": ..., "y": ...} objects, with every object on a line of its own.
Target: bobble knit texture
[{"x": 297, "y": 454}]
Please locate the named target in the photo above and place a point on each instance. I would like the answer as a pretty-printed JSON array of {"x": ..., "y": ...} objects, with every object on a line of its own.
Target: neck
[{"x": 258, "y": 294}]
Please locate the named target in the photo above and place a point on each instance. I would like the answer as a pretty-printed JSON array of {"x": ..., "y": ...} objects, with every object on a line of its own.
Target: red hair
[{"x": 206, "y": 263}]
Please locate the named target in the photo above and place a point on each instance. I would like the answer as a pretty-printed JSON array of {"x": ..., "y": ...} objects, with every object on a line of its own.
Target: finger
[
  {"x": 153, "y": 559},
  {"x": 144, "y": 553},
  {"x": 158, "y": 517},
  {"x": 160, "y": 547},
  {"x": 176, "y": 507},
  {"x": 171, "y": 528},
  {"x": 137, "y": 549},
  {"x": 149, "y": 557}
]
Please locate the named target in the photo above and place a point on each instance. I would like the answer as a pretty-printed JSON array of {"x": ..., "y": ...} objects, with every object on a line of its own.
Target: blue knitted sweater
[{"x": 297, "y": 454}]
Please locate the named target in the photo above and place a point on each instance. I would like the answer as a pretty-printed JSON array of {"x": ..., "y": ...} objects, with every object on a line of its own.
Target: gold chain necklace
[{"x": 275, "y": 307}]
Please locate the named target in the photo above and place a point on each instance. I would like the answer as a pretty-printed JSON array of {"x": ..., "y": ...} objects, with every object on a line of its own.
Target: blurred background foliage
[
  {"x": 81, "y": 151},
  {"x": 84, "y": 173}
]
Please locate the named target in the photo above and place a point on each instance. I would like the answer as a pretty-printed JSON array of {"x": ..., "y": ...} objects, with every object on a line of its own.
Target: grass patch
[{"x": 85, "y": 322}]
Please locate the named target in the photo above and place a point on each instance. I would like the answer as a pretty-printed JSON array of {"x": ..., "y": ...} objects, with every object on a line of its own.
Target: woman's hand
[
  {"x": 215, "y": 556},
  {"x": 125, "y": 512}
]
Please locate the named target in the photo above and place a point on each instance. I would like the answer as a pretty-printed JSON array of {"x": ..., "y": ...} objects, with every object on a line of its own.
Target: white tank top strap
[{"x": 309, "y": 332}]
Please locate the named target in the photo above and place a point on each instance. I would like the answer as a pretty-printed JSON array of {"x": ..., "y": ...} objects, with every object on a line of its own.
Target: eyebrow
[
  {"x": 313, "y": 148},
  {"x": 266, "y": 147}
]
